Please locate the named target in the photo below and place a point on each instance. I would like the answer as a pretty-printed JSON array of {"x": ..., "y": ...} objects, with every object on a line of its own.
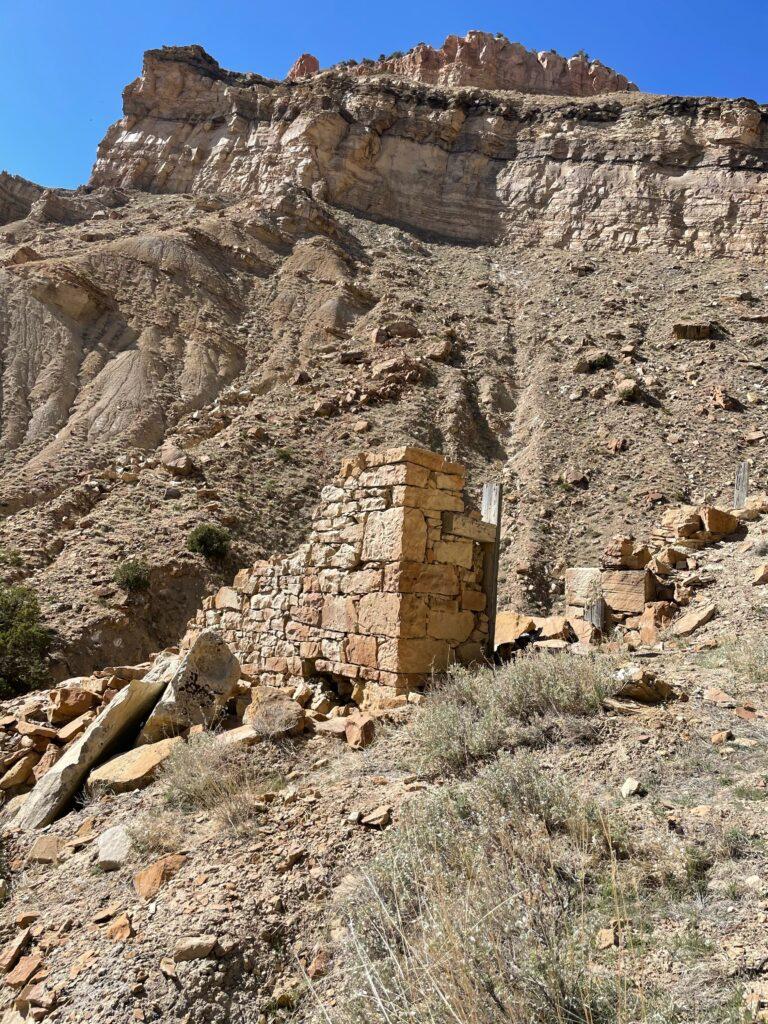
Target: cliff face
[
  {"x": 488, "y": 61},
  {"x": 626, "y": 172},
  {"x": 16, "y": 197}
]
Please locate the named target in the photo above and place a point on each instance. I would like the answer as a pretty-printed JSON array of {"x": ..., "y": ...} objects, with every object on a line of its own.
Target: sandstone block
[
  {"x": 134, "y": 769},
  {"x": 227, "y": 599},
  {"x": 414, "y": 656},
  {"x": 47, "y": 850},
  {"x": 203, "y": 681},
  {"x": 510, "y": 625},
  {"x": 760, "y": 577},
  {"x": 421, "y": 578},
  {"x": 429, "y": 498},
  {"x": 582, "y": 586},
  {"x": 396, "y": 475},
  {"x": 151, "y": 879},
  {"x": 449, "y": 625},
  {"x": 360, "y": 730},
  {"x": 364, "y": 581},
  {"x": 418, "y": 456},
  {"x": 272, "y": 715},
  {"x": 627, "y": 590},
  {"x": 717, "y": 521},
  {"x": 197, "y": 947},
  {"x": 339, "y": 614},
  {"x": 394, "y": 615},
  {"x": 694, "y": 619},
  {"x": 20, "y": 772},
  {"x": 397, "y": 534},
  {"x": 454, "y": 552},
  {"x": 361, "y": 650},
  {"x": 114, "y": 848},
  {"x": 66, "y": 704}
]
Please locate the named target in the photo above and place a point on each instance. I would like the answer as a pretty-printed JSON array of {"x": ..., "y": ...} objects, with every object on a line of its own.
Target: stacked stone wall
[{"x": 386, "y": 589}]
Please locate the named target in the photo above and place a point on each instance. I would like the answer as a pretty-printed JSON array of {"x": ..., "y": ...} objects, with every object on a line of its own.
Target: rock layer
[
  {"x": 627, "y": 172},
  {"x": 488, "y": 61}
]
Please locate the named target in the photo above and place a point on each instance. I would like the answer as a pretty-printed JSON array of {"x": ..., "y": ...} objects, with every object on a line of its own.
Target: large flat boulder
[
  {"x": 205, "y": 679},
  {"x": 124, "y": 713},
  {"x": 134, "y": 769}
]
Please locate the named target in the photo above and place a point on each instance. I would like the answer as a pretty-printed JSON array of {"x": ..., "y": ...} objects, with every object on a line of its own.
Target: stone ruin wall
[{"x": 386, "y": 589}]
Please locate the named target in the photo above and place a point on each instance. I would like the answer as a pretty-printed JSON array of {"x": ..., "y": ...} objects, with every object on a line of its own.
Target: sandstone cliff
[
  {"x": 625, "y": 172},
  {"x": 488, "y": 61},
  {"x": 269, "y": 273}
]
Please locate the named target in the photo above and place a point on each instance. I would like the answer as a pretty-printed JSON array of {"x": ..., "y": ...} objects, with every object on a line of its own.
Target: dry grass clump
[
  {"x": 205, "y": 775},
  {"x": 478, "y": 910},
  {"x": 472, "y": 713},
  {"x": 157, "y": 832},
  {"x": 746, "y": 661}
]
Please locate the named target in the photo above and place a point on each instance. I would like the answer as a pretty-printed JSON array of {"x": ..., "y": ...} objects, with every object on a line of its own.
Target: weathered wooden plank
[
  {"x": 594, "y": 613},
  {"x": 741, "y": 487},
  {"x": 491, "y": 514},
  {"x": 464, "y": 526}
]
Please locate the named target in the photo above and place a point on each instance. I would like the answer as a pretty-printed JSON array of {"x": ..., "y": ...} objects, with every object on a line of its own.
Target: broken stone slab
[
  {"x": 694, "y": 619},
  {"x": 114, "y": 848},
  {"x": 194, "y": 947},
  {"x": 134, "y": 769},
  {"x": 204, "y": 680},
  {"x": 151, "y": 879},
  {"x": 272, "y": 715},
  {"x": 124, "y": 713}
]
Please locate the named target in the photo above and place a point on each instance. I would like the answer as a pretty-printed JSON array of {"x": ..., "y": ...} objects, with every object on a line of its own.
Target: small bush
[
  {"x": 24, "y": 642},
  {"x": 475, "y": 712},
  {"x": 132, "y": 576},
  {"x": 209, "y": 540}
]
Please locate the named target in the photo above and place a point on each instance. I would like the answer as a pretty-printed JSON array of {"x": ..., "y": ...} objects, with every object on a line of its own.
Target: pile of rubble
[{"x": 639, "y": 589}]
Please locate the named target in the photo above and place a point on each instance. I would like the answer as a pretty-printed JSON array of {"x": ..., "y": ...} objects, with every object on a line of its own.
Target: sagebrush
[{"x": 24, "y": 641}]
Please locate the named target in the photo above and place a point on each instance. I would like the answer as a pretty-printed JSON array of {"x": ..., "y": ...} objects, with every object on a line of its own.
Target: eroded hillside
[{"x": 266, "y": 274}]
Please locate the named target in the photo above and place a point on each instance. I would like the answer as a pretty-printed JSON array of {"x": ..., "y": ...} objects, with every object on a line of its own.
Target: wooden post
[
  {"x": 594, "y": 613},
  {"x": 741, "y": 487},
  {"x": 491, "y": 513}
]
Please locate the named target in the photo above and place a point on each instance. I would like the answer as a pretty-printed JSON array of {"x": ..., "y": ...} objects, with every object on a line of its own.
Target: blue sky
[{"x": 63, "y": 65}]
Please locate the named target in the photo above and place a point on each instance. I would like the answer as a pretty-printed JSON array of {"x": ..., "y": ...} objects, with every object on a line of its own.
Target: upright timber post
[
  {"x": 491, "y": 513},
  {"x": 741, "y": 487}
]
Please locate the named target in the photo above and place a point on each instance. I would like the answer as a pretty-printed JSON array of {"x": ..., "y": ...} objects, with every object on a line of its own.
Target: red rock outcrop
[
  {"x": 488, "y": 61},
  {"x": 306, "y": 66}
]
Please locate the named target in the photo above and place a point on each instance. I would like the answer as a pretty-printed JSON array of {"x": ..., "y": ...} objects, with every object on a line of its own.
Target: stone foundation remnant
[{"x": 386, "y": 589}]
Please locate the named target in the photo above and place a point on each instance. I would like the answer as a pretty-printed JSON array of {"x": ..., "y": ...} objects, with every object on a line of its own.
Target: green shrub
[
  {"x": 209, "y": 540},
  {"x": 132, "y": 576},
  {"x": 24, "y": 642},
  {"x": 474, "y": 712}
]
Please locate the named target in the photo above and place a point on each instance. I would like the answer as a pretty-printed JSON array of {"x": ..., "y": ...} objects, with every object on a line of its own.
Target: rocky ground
[
  {"x": 252, "y": 899},
  {"x": 330, "y": 332}
]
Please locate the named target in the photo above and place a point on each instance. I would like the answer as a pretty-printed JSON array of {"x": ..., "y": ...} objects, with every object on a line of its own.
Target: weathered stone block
[
  {"x": 421, "y": 578},
  {"x": 397, "y": 534},
  {"x": 454, "y": 552},
  {"x": 393, "y": 615},
  {"x": 626, "y": 590},
  {"x": 389, "y": 476},
  {"x": 339, "y": 614},
  {"x": 427, "y": 498},
  {"x": 361, "y": 650},
  {"x": 412, "y": 655},
  {"x": 449, "y": 625}
]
